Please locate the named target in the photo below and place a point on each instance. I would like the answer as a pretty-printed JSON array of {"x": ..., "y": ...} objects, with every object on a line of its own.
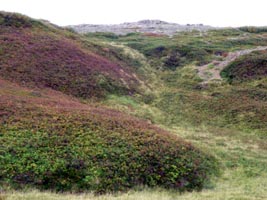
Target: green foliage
[
  {"x": 185, "y": 48},
  {"x": 103, "y": 35},
  {"x": 122, "y": 100},
  {"x": 253, "y": 29},
  {"x": 148, "y": 98},
  {"x": 52, "y": 141},
  {"x": 59, "y": 144},
  {"x": 57, "y": 59},
  {"x": 80, "y": 153},
  {"x": 109, "y": 85},
  {"x": 184, "y": 101},
  {"x": 252, "y": 66},
  {"x": 17, "y": 20}
]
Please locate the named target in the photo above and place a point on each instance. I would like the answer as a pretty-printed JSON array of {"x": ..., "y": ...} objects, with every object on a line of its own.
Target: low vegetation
[
  {"x": 249, "y": 67},
  {"x": 133, "y": 138},
  {"x": 184, "y": 48},
  {"x": 78, "y": 147},
  {"x": 58, "y": 142},
  {"x": 52, "y": 58}
]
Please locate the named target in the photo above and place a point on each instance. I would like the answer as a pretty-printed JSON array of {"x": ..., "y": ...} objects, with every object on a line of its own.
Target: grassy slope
[
  {"x": 54, "y": 141},
  {"x": 244, "y": 163},
  {"x": 58, "y": 59},
  {"x": 228, "y": 120},
  {"x": 185, "y": 48},
  {"x": 182, "y": 96},
  {"x": 249, "y": 67}
]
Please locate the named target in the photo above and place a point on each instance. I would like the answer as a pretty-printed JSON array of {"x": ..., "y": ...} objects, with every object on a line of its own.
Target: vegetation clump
[
  {"x": 49, "y": 58},
  {"x": 253, "y": 29},
  {"x": 248, "y": 67},
  {"x": 50, "y": 140},
  {"x": 77, "y": 147}
]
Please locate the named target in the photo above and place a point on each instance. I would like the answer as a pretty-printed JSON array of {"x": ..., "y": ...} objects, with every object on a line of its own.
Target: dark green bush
[
  {"x": 253, "y": 29},
  {"x": 252, "y": 66},
  {"x": 98, "y": 154},
  {"x": 15, "y": 20},
  {"x": 103, "y": 35},
  {"x": 173, "y": 61}
]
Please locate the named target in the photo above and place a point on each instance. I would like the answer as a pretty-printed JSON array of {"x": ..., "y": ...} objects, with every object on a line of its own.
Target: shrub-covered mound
[
  {"x": 36, "y": 54},
  {"x": 248, "y": 67},
  {"x": 51, "y": 141}
]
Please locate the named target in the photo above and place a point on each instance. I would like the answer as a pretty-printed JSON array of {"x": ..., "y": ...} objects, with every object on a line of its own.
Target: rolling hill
[
  {"x": 56, "y": 134},
  {"x": 138, "y": 112},
  {"x": 143, "y": 26},
  {"x": 42, "y": 56}
]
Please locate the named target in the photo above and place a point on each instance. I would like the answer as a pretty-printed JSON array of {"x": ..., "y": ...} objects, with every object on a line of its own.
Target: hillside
[
  {"x": 179, "y": 63},
  {"x": 225, "y": 117},
  {"x": 52, "y": 141},
  {"x": 143, "y": 26},
  {"x": 55, "y": 135},
  {"x": 167, "y": 115},
  {"x": 34, "y": 54},
  {"x": 249, "y": 67}
]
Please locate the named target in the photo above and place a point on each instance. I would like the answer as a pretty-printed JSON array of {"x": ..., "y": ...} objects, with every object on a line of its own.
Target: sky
[{"x": 209, "y": 12}]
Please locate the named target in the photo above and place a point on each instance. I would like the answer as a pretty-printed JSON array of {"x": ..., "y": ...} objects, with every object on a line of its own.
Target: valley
[{"x": 132, "y": 116}]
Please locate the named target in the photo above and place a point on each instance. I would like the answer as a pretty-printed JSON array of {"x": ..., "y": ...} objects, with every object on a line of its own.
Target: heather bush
[
  {"x": 83, "y": 148},
  {"x": 51, "y": 58},
  {"x": 50, "y": 140},
  {"x": 16, "y": 20},
  {"x": 86, "y": 159}
]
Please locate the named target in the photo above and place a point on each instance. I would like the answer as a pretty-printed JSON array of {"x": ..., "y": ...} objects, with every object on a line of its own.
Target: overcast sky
[{"x": 209, "y": 12}]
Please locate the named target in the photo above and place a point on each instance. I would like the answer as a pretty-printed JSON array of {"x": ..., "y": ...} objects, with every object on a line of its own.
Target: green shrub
[
  {"x": 103, "y": 35},
  {"x": 248, "y": 67},
  {"x": 81, "y": 153},
  {"x": 16, "y": 20},
  {"x": 253, "y": 29},
  {"x": 173, "y": 61}
]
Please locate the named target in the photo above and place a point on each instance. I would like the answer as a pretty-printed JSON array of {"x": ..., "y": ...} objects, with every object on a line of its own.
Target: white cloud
[{"x": 216, "y": 13}]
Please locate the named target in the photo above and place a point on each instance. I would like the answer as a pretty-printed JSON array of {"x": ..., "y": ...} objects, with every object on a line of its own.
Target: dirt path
[{"x": 211, "y": 72}]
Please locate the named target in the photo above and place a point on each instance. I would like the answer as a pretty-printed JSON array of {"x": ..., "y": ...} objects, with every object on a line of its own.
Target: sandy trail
[{"x": 211, "y": 71}]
